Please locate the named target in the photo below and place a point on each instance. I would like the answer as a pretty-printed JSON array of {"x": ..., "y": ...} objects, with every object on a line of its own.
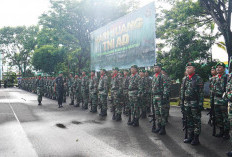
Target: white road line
[{"x": 16, "y": 117}]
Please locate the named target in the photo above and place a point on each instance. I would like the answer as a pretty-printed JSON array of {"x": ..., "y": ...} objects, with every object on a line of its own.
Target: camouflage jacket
[
  {"x": 59, "y": 81},
  {"x": 85, "y": 84},
  {"x": 133, "y": 85},
  {"x": 168, "y": 84},
  {"x": 148, "y": 84},
  {"x": 39, "y": 83},
  {"x": 103, "y": 85},
  {"x": 159, "y": 85},
  {"x": 116, "y": 84},
  {"x": 77, "y": 85},
  {"x": 71, "y": 82},
  {"x": 219, "y": 85},
  {"x": 125, "y": 83},
  {"x": 141, "y": 87},
  {"x": 192, "y": 90},
  {"x": 93, "y": 84}
]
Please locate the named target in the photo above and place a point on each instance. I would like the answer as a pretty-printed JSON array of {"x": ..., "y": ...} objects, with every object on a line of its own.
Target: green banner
[{"x": 126, "y": 41}]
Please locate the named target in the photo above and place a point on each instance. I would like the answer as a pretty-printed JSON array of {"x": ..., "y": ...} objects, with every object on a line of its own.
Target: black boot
[
  {"x": 103, "y": 113},
  {"x": 226, "y": 135},
  {"x": 229, "y": 154},
  {"x": 39, "y": 103},
  {"x": 157, "y": 129},
  {"x": 136, "y": 122},
  {"x": 118, "y": 117},
  {"x": 220, "y": 134},
  {"x": 162, "y": 131},
  {"x": 114, "y": 117},
  {"x": 190, "y": 138},
  {"x": 94, "y": 110},
  {"x": 130, "y": 122},
  {"x": 153, "y": 128},
  {"x": 72, "y": 103},
  {"x": 195, "y": 140},
  {"x": 144, "y": 114}
]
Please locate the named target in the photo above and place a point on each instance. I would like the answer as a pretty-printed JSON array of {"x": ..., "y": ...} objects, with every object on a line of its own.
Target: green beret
[
  {"x": 134, "y": 66},
  {"x": 142, "y": 70},
  {"x": 103, "y": 70},
  {"x": 38, "y": 74},
  {"x": 116, "y": 68},
  {"x": 213, "y": 67},
  {"x": 126, "y": 70},
  {"x": 191, "y": 64},
  {"x": 221, "y": 64},
  {"x": 163, "y": 69},
  {"x": 93, "y": 71},
  {"x": 60, "y": 72},
  {"x": 158, "y": 64}
]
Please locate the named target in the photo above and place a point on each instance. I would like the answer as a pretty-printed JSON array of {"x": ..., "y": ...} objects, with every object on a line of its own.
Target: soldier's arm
[{"x": 200, "y": 91}]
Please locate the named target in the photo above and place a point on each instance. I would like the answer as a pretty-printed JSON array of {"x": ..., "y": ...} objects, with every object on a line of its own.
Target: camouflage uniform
[
  {"x": 103, "y": 88},
  {"x": 220, "y": 105},
  {"x": 125, "y": 97},
  {"x": 85, "y": 91},
  {"x": 167, "y": 100},
  {"x": 192, "y": 96},
  {"x": 71, "y": 90},
  {"x": 147, "y": 96},
  {"x": 93, "y": 97},
  {"x": 59, "y": 83},
  {"x": 40, "y": 87},
  {"x": 141, "y": 96},
  {"x": 77, "y": 90}
]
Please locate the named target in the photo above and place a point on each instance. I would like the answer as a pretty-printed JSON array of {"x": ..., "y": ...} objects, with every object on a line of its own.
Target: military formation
[{"x": 137, "y": 94}]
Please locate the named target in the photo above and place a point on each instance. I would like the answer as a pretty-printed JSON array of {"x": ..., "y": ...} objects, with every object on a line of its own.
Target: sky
[{"x": 26, "y": 12}]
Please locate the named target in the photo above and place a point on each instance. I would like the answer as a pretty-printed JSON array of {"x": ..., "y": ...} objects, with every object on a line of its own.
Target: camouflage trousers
[
  {"x": 159, "y": 110},
  {"x": 221, "y": 116},
  {"x": 117, "y": 106},
  {"x": 167, "y": 108},
  {"x": 93, "y": 99},
  {"x": 71, "y": 94},
  {"x": 143, "y": 103},
  {"x": 147, "y": 100},
  {"x": 39, "y": 93},
  {"x": 103, "y": 101},
  {"x": 85, "y": 98},
  {"x": 193, "y": 114},
  {"x": 230, "y": 118},
  {"x": 125, "y": 100},
  {"x": 77, "y": 97},
  {"x": 134, "y": 104}
]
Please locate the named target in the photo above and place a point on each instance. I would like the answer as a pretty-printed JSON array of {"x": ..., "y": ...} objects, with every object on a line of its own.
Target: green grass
[{"x": 206, "y": 103}]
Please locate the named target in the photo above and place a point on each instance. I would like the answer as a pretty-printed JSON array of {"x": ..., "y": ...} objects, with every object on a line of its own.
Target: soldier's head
[
  {"x": 164, "y": 71},
  {"x": 157, "y": 68},
  {"x": 141, "y": 73},
  {"x": 76, "y": 76},
  {"x": 147, "y": 73},
  {"x": 115, "y": 70},
  {"x": 103, "y": 71},
  {"x": 83, "y": 72},
  {"x": 60, "y": 73},
  {"x": 125, "y": 72},
  {"x": 190, "y": 68},
  {"x": 39, "y": 76},
  {"x": 220, "y": 68},
  {"x": 134, "y": 69},
  {"x": 92, "y": 72},
  {"x": 71, "y": 74},
  {"x": 213, "y": 71}
]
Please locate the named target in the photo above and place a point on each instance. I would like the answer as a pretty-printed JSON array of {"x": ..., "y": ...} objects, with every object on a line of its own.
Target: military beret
[
  {"x": 213, "y": 67},
  {"x": 60, "y": 72},
  {"x": 221, "y": 64},
  {"x": 103, "y": 70},
  {"x": 126, "y": 70},
  {"x": 38, "y": 74},
  {"x": 163, "y": 69},
  {"x": 158, "y": 64},
  {"x": 116, "y": 68},
  {"x": 134, "y": 66},
  {"x": 93, "y": 71},
  {"x": 142, "y": 70},
  {"x": 191, "y": 64}
]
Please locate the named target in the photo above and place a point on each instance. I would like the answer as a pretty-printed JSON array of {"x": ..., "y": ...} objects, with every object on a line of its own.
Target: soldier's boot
[
  {"x": 118, "y": 117},
  {"x": 190, "y": 138},
  {"x": 162, "y": 131},
  {"x": 94, "y": 109},
  {"x": 72, "y": 102},
  {"x": 220, "y": 134},
  {"x": 148, "y": 110},
  {"x": 103, "y": 113},
  {"x": 229, "y": 154},
  {"x": 144, "y": 115},
  {"x": 136, "y": 122},
  {"x": 157, "y": 129},
  {"x": 153, "y": 128},
  {"x": 39, "y": 103},
  {"x": 77, "y": 105},
  {"x": 195, "y": 140},
  {"x": 226, "y": 135},
  {"x": 114, "y": 117}
]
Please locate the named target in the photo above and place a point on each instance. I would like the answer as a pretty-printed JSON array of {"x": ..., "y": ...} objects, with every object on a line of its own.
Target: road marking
[{"x": 16, "y": 117}]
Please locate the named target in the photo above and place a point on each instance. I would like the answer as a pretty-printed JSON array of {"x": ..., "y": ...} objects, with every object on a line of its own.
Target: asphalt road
[{"x": 28, "y": 130}]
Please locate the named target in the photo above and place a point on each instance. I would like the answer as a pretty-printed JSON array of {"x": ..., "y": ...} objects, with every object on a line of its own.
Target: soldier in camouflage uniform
[
  {"x": 133, "y": 97},
  {"x": 93, "y": 97},
  {"x": 167, "y": 100},
  {"x": 77, "y": 90},
  {"x": 84, "y": 90},
  {"x": 159, "y": 93},
  {"x": 221, "y": 104},
  {"x": 59, "y": 87},
  {"x": 211, "y": 81},
  {"x": 40, "y": 87},
  {"x": 116, "y": 93},
  {"x": 65, "y": 89},
  {"x": 192, "y": 97},
  {"x": 142, "y": 93},
  {"x": 71, "y": 89},
  {"x": 103, "y": 88},
  {"x": 125, "y": 97}
]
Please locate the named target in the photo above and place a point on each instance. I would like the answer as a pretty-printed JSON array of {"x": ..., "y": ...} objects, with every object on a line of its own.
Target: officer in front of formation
[
  {"x": 59, "y": 88},
  {"x": 40, "y": 88},
  {"x": 192, "y": 97}
]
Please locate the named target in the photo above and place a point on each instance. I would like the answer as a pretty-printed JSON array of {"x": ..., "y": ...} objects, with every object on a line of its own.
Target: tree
[
  {"x": 18, "y": 44},
  {"x": 220, "y": 11},
  {"x": 47, "y": 57}
]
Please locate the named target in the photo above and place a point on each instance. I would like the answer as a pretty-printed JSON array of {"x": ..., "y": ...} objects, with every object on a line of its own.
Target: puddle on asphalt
[
  {"x": 76, "y": 122},
  {"x": 61, "y": 125},
  {"x": 88, "y": 121}
]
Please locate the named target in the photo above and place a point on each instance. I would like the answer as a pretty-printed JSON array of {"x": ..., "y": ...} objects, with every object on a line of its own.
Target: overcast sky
[{"x": 26, "y": 12}]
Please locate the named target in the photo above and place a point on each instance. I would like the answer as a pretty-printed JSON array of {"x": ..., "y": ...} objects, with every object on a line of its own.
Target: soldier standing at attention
[
  {"x": 116, "y": 93},
  {"x": 40, "y": 88},
  {"x": 59, "y": 88},
  {"x": 159, "y": 92},
  {"x": 192, "y": 96},
  {"x": 133, "y": 97},
  {"x": 84, "y": 90},
  {"x": 125, "y": 86},
  {"x": 142, "y": 93},
  {"x": 77, "y": 90},
  {"x": 70, "y": 87},
  {"x": 220, "y": 104},
  {"x": 148, "y": 92},
  {"x": 211, "y": 82},
  {"x": 93, "y": 85},
  {"x": 103, "y": 88}
]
